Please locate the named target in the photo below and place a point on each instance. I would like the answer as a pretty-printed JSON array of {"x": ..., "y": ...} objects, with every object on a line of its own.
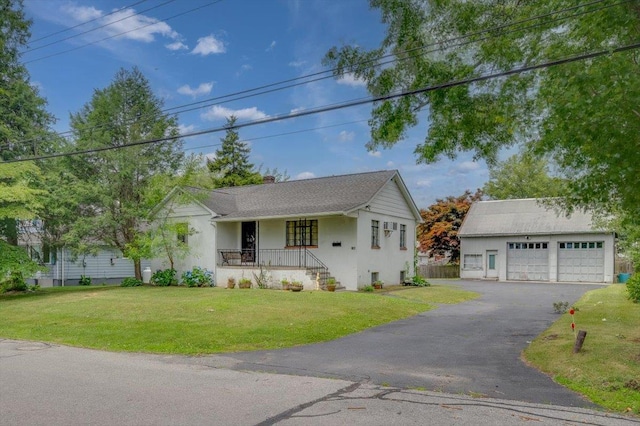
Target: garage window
[{"x": 472, "y": 261}]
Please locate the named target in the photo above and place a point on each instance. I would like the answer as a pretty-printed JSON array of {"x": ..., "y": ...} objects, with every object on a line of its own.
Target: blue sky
[{"x": 226, "y": 47}]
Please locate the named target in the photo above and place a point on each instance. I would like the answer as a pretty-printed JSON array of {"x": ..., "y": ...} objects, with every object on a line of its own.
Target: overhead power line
[
  {"x": 35, "y": 40},
  {"x": 308, "y": 78},
  {"x": 122, "y": 33},
  {"x": 33, "y": 49},
  {"x": 350, "y": 104}
]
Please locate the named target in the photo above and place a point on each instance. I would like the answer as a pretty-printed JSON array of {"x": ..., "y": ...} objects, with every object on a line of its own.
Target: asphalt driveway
[{"x": 472, "y": 348}]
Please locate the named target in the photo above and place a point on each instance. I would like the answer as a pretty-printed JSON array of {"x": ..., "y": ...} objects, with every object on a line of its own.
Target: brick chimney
[{"x": 268, "y": 179}]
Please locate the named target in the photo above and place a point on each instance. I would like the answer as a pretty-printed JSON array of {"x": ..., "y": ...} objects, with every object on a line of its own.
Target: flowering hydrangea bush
[{"x": 198, "y": 277}]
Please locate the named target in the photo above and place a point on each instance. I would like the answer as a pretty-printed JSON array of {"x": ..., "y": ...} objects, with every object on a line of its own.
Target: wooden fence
[{"x": 439, "y": 271}]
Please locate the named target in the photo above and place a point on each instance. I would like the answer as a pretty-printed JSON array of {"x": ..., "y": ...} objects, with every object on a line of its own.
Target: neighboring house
[
  {"x": 358, "y": 228},
  {"x": 62, "y": 268},
  {"x": 526, "y": 240}
]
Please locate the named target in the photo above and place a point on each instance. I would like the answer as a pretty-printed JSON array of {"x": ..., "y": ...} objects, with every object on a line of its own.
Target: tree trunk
[{"x": 138, "y": 269}]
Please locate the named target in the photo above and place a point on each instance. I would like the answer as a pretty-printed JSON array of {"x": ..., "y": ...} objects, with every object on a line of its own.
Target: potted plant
[
  {"x": 231, "y": 282},
  {"x": 378, "y": 284},
  {"x": 295, "y": 286},
  {"x": 285, "y": 284},
  {"x": 331, "y": 284},
  {"x": 244, "y": 283}
]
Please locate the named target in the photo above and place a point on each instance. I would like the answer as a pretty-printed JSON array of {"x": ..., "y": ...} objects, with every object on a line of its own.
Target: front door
[
  {"x": 492, "y": 264},
  {"x": 248, "y": 236}
]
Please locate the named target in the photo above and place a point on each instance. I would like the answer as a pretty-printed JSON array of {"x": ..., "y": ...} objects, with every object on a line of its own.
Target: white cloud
[
  {"x": 297, "y": 64},
  {"x": 202, "y": 89},
  {"x": 218, "y": 112},
  {"x": 271, "y": 46},
  {"x": 345, "y": 136},
  {"x": 82, "y": 13},
  {"x": 465, "y": 167},
  {"x": 209, "y": 45},
  {"x": 391, "y": 164},
  {"x": 177, "y": 45},
  {"x": 376, "y": 154},
  {"x": 296, "y": 110},
  {"x": 244, "y": 68},
  {"x": 305, "y": 175},
  {"x": 125, "y": 23},
  {"x": 182, "y": 128},
  {"x": 425, "y": 183},
  {"x": 138, "y": 27},
  {"x": 210, "y": 156},
  {"x": 351, "y": 80}
]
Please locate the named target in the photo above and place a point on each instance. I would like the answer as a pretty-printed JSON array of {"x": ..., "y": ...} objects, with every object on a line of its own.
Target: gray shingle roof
[
  {"x": 522, "y": 217},
  {"x": 319, "y": 196}
]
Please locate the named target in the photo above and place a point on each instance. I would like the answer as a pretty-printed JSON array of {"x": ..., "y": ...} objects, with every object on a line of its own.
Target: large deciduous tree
[
  {"x": 438, "y": 233},
  {"x": 584, "y": 114},
  {"x": 231, "y": 167},
  {"x": 125, "y": 112},
  {"x": 522, "y": 176},
  {"x": 24, "y": 121}
]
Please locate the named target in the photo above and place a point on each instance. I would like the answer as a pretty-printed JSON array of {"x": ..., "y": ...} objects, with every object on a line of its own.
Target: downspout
[
  {"x": 62, "y": 266},
  {"x": 215, "y": 250}
]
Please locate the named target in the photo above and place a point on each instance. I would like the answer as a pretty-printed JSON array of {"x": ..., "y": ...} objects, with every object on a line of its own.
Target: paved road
[
  {"x": 54, "y": 385},
  {"x": 471, "y": 348}
]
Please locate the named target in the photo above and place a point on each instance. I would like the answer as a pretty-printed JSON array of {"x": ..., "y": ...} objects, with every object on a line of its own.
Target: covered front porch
[{"x": 272, "y": 266}]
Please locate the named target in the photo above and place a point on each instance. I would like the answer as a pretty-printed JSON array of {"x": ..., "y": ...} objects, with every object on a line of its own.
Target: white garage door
[
  {"x": 581, "y": 261},
  {"x": 528, "y": 261}
]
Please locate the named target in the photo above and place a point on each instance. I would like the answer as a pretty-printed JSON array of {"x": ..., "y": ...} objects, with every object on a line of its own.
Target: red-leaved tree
[{"x": 438, "y": 234}]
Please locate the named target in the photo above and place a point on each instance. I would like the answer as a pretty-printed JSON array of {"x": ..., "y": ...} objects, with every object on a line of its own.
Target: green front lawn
[
  {"x": 200, "y": 320},
  {"x": 607, "y": 370}
]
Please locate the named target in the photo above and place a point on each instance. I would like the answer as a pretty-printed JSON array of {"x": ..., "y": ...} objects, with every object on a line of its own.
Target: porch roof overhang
[{"x": 245, "y": 218}]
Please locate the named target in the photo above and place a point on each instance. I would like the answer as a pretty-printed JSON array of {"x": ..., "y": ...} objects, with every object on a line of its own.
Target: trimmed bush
[
  {"x": 633, "y": 288},
  {"x": 15, "y": 282},
  {"x": 84, "y": 280},
  {"x": 164, "y": 277},
  {"x": 131, "y": 282}
]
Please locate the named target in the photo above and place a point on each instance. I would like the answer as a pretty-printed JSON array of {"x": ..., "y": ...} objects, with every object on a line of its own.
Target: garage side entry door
[
  {"x": 528, "y": 261},
  {"x": 581, "y": 261}
]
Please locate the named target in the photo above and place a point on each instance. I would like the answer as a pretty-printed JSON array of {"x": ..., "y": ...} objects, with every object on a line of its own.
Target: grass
[
  {"x": 192, "y": 321},
  {"x": 607, "y": 369},
  {"x": 445, "y": 294}
]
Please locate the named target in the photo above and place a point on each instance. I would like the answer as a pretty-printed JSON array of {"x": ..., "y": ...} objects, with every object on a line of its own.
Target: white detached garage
[{"x": 527, "y": 241}]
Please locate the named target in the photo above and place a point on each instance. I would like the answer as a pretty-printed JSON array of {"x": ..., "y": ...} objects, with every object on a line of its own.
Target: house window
[
  {"x": 403, "y": 276},
  {"x": 403, "y": 236},
  {"x": 375, "y": 234},
  {"x": 472, "y": 261},
  {"x": 182, "y": 232},
  {"x": 374, "y": 277},
  {"x": 302, "y": 233}
]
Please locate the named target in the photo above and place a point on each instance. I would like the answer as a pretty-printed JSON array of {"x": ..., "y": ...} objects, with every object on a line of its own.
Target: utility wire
[
  {"x": 85, "y": 22},
  {"x": 236, "y": 95},
  {"x": 277, "y": 135},
  {"x": 350, "y": 104},
  {"x": 33, "y": 49},
  {"x": 122, "y": 33}
]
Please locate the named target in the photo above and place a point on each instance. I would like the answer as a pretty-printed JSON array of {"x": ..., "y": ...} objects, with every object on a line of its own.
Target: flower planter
[
  {"x": 377, "y": 286},
  {"x": 331, "y": 287},
  {"x": 231, "y": 283},
  {"x": 244, "y": 284},
  {"x": 295, "y": 288}
]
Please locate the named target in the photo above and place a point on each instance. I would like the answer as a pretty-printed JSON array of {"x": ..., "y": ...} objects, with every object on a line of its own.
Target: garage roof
[{"x": 523, "y": 217}]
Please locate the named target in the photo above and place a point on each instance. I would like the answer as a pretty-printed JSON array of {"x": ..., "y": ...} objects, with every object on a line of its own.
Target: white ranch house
[
  {"x": 358, "y": 228},
  {"x": 527, "y": 241}
]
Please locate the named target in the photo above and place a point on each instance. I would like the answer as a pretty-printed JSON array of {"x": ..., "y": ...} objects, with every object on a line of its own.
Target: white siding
[
  {"x": 107, "y": 266},
  {"x": 202, "y": 243},
  {"x": 388, "y": 260},
  {"x": 479, "y": 245},
  {"x": 391, "y": 202}
]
